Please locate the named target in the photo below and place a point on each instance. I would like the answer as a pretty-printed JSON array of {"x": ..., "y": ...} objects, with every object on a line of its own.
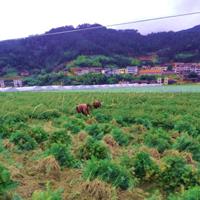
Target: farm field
[{"x": 137, "y": 146}]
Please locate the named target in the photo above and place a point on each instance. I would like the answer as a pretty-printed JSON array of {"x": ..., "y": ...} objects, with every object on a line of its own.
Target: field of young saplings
[{"x": 136, "y": 146}]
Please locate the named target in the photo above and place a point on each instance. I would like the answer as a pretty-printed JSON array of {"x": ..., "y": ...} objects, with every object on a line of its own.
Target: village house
[
  {"x": 163, "y": 68},
  {"x": 110, "y": 71},
  {"x": 24, "y": 73},
  {"x": 147, "y": 58},
  {"x": 85, "y": 70},
  {"x": 186, "y": 68},
  {"x": 11, "y": 82},
  {"x": 132, "y": 70},
  {"x": 2, "y": 83},
  {"x": 150, "y": 72},
  {"x": 79, "y": 71},
  {"x": 122, "y": 71}
]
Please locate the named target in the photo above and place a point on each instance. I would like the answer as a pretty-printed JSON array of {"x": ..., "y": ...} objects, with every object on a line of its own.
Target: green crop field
[{"x": 137, "y": 146}]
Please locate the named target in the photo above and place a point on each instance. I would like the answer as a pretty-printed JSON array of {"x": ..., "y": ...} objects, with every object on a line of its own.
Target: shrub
[
  {"x": 13, "y": 118},
  {"x": 125, "y": 120},
  {"x": 23, "y": 140},
  {"x": 102, "y": 118},
  {"x": 6, "y": 129},
  {"x": 45, "y": 114},
  {"x": 145, "y": 122},
  {"x": 120, "y": 137},
  {"x": 187, "y": 143},
  {"x": 5, "y": 180},
  {"x": 184, "y": 126},
  {"x": 106, "y": 128},
  {"x": 176, "y": 173},
  {"x": 93, "y": 148},
  {"x": 120, "y": 121},
  {"x": 74, "y": 126},
  {"x": 63, "y": 155},
  {"x": 60, "y": 136},
  {"x": 138, "y": 129},
  {"x": 191, "y": 194},
  {"x": 128, "y": 163},
  {"x": 156, "y": 195},
  {"x": 158, "y": 139},
  {"x": 48, "y": 194},
  {"x": 39, "y": 134},
  {"x": 95, "y": 131},
  {"x": 109, "y": 172},
  {"x": 60, "y": 121},
  {"x": 144, "y": 167}
]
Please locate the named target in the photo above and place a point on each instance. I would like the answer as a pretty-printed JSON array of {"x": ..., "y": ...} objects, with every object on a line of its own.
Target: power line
[
  {"x": 154, "y": 19},
  {"x": 114, "y": 25}
]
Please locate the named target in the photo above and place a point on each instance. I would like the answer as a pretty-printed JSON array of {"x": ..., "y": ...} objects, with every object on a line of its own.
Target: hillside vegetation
[{"x": 112, "y": 48}]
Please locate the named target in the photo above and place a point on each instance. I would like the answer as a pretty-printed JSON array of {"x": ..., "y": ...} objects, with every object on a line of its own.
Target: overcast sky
[{"x": 20, "y": 18}]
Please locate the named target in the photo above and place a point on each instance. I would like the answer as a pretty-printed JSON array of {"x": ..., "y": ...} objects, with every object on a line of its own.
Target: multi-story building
[
  {"x": 186, "y": 68},
  {"x": 132, "y": 70}
]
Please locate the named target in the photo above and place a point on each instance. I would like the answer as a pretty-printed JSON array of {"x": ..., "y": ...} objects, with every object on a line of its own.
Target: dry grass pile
[
  {"x": 109, "y": 140},
  {"x": 49, "y": 167},
  {"x": 98, "y": 190},
  {"x": 153, "y": 152}
]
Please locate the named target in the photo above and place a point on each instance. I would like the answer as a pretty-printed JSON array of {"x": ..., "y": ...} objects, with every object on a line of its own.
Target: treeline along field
[{"x": 136, "y": 146}]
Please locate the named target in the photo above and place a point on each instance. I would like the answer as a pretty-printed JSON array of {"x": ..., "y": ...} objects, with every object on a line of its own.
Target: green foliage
[
  {"x": 23, "y": 141},
  {"x": 145, "y": 122},
  {"x": 16, "y": 197},
  {"x": 102, "y": 118},
  {"x": 124, "y": 120},
  {"x": 136, "y": 62},
  {"x": 7, "y": 127},
  {"x": 185, "y": 126},
  {"x": 4, "y": 131},
  {"x": 60, "y": 136},
  {"x": 93, "y": 148},
  {"x": 155, "y": 196},
  {"x": 1, "y": 146},
  {"x": 39, "y": 134},
  {"x": 109, "y": 172},
  {"x": 74, "y": 125},
  {"x": 120, "y": 137},
  {"x": 144, "y": 167},
  {"x": 6, "y": 183},
  {"x": 106, "y": 128},
  {"x": 191, "y": 194},
  {"x": 63, "y": 155},
  {"x": 159, "y": 139},
  {"x": 187, "y": 143},
  {"x": 177, "y": 174},
  {"x": 45, "y": 114},
  {"x": 48, "y": 194},
  {"x": 95, "y": 131},
  {"x": 12, "y": 118}
]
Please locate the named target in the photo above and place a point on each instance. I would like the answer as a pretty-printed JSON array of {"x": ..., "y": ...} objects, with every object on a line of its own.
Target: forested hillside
[{"x": 49, "y": 53}]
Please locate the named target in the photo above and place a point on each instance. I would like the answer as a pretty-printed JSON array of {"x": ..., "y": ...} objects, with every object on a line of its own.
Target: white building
[
  {"x": 132, "y": 70},
  {"x": 2, "y": 83},
  {"x": 186, "y": 68}
]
